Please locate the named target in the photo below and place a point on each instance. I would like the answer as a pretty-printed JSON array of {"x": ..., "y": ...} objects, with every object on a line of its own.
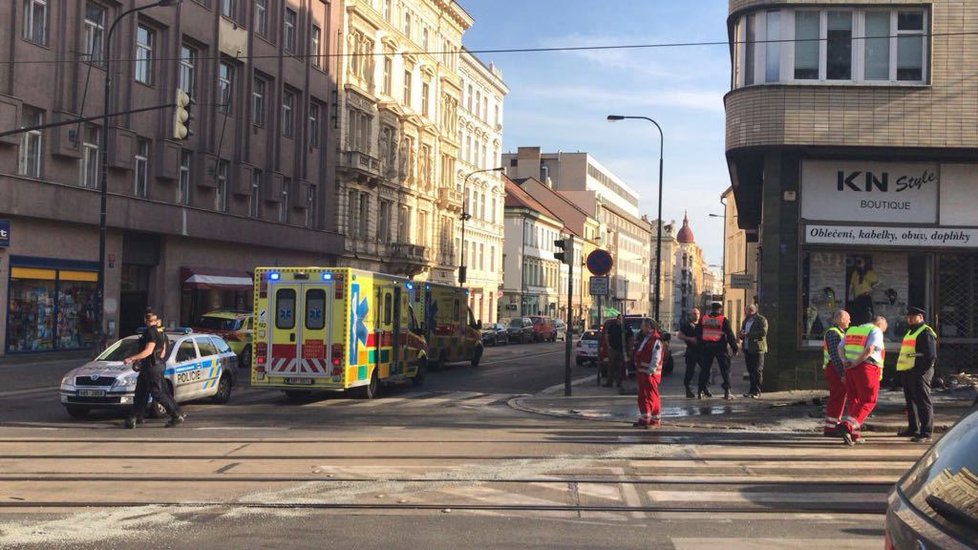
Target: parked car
[
  {"x": 494, "y": 335},
  {"x": 197, "y": 366},
  {"x": 543, "y": 328},
  {"x": 934, "y": 503},
  {"x": 560, "y": 329},
  {"x": 235, "y": 327},
  {"x": 520, "y": 330},
  {"x": 586, "y": 349}
]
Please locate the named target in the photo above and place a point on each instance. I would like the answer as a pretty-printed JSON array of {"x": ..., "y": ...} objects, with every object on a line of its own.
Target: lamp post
[
  {"x": 465, "y": 217},
  {"x": 104, "y": 173},
  {"x": 658, "y": 232}
]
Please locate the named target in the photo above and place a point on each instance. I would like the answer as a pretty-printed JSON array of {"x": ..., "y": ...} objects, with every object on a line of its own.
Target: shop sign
[
  {"x": 4, "y": 233},
  {"x": 870, "y": 191},
  {"x": 892, "y": 236}
]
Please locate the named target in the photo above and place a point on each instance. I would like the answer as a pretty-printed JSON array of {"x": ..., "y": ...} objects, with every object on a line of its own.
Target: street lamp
[
  {"x": 104, "y": 176},
  {"x": 658, "y": 233},
  {"x": 465, "y": 217}
]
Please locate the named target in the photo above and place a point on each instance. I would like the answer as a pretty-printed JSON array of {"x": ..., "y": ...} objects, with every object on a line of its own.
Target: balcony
[
  {"x": 408, "y": 259},
  {"x": 450, "y": 199},
  {"x": 362, "y": 165}
]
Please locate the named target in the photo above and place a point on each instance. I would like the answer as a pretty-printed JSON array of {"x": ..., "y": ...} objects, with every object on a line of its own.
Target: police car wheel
[
  {"x": 75, "y": 411},
  {"x": 223, "y": 393}
]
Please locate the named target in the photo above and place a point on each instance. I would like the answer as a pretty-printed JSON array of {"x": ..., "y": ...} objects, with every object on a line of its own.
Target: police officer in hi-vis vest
[
  {"x": 833, "y": 365},
  {"x": 918, "y": 354},
  {"x": 714, "y": 335},
  {"x": 863, "y": 349}
]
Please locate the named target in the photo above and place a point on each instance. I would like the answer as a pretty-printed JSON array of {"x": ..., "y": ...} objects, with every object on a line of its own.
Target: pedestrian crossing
[{"x": 463, "y": 399}]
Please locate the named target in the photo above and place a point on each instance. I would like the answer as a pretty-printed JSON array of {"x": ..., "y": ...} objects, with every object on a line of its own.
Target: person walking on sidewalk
[
  {"x": 150, "y": 363},
  {"x": 714, "y": 335},
  {"x": 833, "y": 367},
  {"x": 648, "y": 374},
  {"x": 753, "y": 335},
  {"x": 615, "y": 340},
  {"x": 863, "y": 349},
  {"x": 687, "y": 333},
  {"x": 918, "y": 355}
]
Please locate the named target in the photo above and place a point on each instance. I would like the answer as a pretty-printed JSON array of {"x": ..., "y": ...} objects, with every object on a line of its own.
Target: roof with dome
[{"x": 685, "y": 235}]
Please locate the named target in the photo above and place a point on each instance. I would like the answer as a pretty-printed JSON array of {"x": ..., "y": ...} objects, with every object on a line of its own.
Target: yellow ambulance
[
  {"x": 334, "y": 329},
  {"x": 447, "y": 323}
]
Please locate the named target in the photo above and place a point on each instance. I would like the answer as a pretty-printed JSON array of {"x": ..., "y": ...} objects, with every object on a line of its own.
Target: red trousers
[
  {"x": 862, "y": 388},
  {"x": 835, "y": 405},
  {"x": 649, "y": 405}
]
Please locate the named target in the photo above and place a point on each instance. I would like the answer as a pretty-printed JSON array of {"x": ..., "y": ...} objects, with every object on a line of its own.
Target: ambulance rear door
[{"x": 301, "y": 327}]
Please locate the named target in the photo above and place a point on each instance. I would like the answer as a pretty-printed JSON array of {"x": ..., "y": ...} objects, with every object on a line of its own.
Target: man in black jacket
[
  {"x": 150, "y": 363},
  {"x": 918, "y": 354}
]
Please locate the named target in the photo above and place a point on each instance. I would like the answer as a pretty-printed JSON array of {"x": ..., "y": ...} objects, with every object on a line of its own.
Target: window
[
  {"x": 910, "y": 45},
  {"x": 289, "y": 31},
  {"x": 141, "y": 169},
  {"x": 258, "y": 102},
  {"x": 407, "y": 24},
  {"x": 315, "y": 309},
  {"x": 425, "y": 97},
  {"x": 772, "y": 67},
  {"x": 423, "y": 228},
  {"x": 225, "y": 83},
  {"x": 838, "y": 56},
  {"x": 285, "y": 308},
  {"x": 261, "y": 17},
  {"x": 221, "y": 192},
  {"x": 315, "y": 39},
  {"x": 89, "y": 160},
  {"x": 288, "y": 108},
  {"x": 388, "y": 11},
  {"x": 876, "y": 52},
  {"x": 492, "y": 213},
  {"x": 29, "y": 159},
  {"x": 228, "y": 8},
  {"x": 188, "y": 69},
  {"x": 145, "y": 38},
  {"x": 187, "y": 351},
  {"x": 254, "y": 202},
  {"x": 314, "y": 124},
  {"x": 407, "y": 88},
  {"x": 206, "y": 347},
  {"x": 806, "y": 45},
  {"x": 358, "y": 131},
  {"x": 95, "y": 33},
  {"x": 183, "y": 191},
  {"x": 283, "y": 205},
  {"x": 424, "y": 39},
  {"x": 36, "y": 21},
  {"x": 351, "y": 213},
  {"x": 311, "y": 206},
  {"x": 388, "y": 69},
  {"x": 384, "y": 221},
  {"x": 364, "y": 214}
]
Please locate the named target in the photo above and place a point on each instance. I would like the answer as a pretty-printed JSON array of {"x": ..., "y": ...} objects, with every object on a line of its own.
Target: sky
[{"x": 560, "y": 100}]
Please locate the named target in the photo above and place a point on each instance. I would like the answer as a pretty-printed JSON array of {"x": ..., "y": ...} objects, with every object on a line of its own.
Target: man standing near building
[
  {"x": 753, "y": 335},
  {"x": 687, "y": 333},
  {"x": 714, "y": 335},
  {"x": 918, "y": 354},
  {"x": 833, "y": 366},
  {"x": 863, "y": 349},
  {"x": 648, "y": 373}
]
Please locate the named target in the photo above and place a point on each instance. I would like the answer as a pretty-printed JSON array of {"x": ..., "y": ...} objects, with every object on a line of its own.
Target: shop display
[{"x": 47, "y": 314}]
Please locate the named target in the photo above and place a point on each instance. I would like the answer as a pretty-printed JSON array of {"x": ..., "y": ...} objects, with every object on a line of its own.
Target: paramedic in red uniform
[
  {"x": 648, "y": 373},
  {"x": 714, "y": 335},
  {"x": 863, "y": 350}
]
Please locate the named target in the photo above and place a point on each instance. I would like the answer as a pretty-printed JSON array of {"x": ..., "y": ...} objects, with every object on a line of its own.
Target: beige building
[
  {"x": 851, "y": 142},
  {"x": 531, "y": 277},
  {"x": 666, "y": 286},
  {"x": 480, "y": 138},
  {"x": 739, "y": 263},
  {"x": 398, "y": 180}
]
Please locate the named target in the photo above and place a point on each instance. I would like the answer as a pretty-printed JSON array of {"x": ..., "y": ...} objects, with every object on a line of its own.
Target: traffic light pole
[{"x": 567, "y": 335}]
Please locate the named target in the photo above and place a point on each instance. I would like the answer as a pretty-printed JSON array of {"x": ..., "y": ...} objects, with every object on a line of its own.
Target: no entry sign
[{"x": 599, "y": 262}]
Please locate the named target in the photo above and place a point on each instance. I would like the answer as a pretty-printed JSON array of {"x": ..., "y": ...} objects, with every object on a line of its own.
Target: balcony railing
[
  {"x": 362, "y": 162},
  {"x": 410, "y": 253},
  {"x": 449, "y": 198}
]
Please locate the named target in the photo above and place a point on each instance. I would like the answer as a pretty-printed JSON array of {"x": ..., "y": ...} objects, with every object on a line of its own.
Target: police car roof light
[{"x": 274, "y": 276}]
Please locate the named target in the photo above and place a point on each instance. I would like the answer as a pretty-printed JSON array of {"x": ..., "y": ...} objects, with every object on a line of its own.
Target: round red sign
[{"x": 599, "y": 262}]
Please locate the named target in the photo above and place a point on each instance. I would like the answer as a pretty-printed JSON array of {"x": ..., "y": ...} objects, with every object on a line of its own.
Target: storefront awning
[{"x": 203, "y": 278}]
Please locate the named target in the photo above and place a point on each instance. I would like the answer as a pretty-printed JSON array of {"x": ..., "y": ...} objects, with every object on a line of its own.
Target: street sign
[
  {"x": 599, "y": 262},
  {"x": 741, "y": 280},
  {"x": 598, "y": 286}
]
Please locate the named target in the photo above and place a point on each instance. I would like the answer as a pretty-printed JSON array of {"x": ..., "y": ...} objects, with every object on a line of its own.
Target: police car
[{"x": 197, "y": 366}]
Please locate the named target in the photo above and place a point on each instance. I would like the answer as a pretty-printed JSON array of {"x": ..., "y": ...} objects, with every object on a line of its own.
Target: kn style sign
[
  {"x": 598, "y": 286},
  {"x": 851, "y": 191},
  {"x": 600, "y": 262}
]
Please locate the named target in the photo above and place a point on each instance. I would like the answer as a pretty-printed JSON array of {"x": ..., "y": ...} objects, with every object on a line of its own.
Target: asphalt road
[{"x": 446, "y": 465}]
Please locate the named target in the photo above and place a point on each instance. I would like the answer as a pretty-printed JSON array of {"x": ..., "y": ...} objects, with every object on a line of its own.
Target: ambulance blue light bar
[
  {"x": 409, "y": 286},
  {"x": 327, "y": 276},
  {"x": 274, "y": 276}
]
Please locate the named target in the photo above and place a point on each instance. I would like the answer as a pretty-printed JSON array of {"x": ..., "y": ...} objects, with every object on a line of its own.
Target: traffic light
[
  {"x": 566, "y": 246},
  {"x": 182, "y": 116}
]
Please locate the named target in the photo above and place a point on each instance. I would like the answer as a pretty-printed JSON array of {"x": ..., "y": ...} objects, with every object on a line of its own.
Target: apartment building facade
[
  {"x": 187, "y": 221},
  {"x": 531, "y": 277},
  {"x": 851, "y": 138},
  {"x": 398, "y": 181}
]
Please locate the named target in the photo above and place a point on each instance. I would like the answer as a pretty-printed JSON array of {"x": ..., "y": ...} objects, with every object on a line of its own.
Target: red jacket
[{"x": 648, "y": 353}]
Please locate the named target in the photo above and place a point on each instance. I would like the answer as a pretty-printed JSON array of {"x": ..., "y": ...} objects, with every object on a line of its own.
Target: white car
[
  {"x": 586, "y": 349},
  {"x": 197, "y": 366}
]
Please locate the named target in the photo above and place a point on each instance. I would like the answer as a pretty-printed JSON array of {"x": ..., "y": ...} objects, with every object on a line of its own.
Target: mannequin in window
[{"x": 862, "y": 281}]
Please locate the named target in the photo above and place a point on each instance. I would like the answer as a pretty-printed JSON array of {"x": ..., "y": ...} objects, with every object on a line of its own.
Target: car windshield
[
  {"x": 120, "y": 350},
  {"x": 516, "y": 323},
  {"x": 944, "y": 481},
  {"x": 219, "y": 323},
  {"x": 590, "y": 335}
]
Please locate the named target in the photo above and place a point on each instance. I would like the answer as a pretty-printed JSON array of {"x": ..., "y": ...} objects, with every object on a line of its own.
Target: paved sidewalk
[{"x": 797, "y": 411}]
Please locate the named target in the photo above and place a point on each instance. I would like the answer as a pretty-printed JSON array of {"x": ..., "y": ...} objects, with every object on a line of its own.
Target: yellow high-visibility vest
[
  {"x": 825, "y": 344},
  {"x": 908, "y": 348},
  {"x": 854, "y": 341}
]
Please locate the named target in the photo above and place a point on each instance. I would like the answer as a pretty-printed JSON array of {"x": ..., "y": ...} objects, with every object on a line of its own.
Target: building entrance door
[{"x": 956, "y": 318}]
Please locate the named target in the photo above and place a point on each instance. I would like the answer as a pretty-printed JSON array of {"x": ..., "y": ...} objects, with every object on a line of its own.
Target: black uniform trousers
[
  {"x": 920, "y": 410},
  {"x": 692, "y": 361},
  {"x": 755, "y": 369},
  {"x": 151, "y": 382},
  {"x": 707, "y": 354}
]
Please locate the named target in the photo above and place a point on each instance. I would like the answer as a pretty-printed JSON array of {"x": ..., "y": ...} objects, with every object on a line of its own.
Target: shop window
[
  {"x": 50, "y": 309},
  {"x": 865, "y": 284}
]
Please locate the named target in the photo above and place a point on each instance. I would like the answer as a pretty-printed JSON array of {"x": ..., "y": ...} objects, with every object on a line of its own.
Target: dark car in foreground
[{"x": 935, "y": 505}]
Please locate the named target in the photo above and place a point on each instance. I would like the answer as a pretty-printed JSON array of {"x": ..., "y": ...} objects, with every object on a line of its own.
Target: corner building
[
  {"x": 851, "y": 139},
  {"x": 187, "y": 221}
]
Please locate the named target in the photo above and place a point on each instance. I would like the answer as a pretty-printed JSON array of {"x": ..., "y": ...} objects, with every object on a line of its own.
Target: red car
[{"x": 543, "y": 329}]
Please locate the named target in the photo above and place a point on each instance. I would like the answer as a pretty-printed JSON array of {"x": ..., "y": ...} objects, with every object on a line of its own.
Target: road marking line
[{"x": 629, "y": 493}]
